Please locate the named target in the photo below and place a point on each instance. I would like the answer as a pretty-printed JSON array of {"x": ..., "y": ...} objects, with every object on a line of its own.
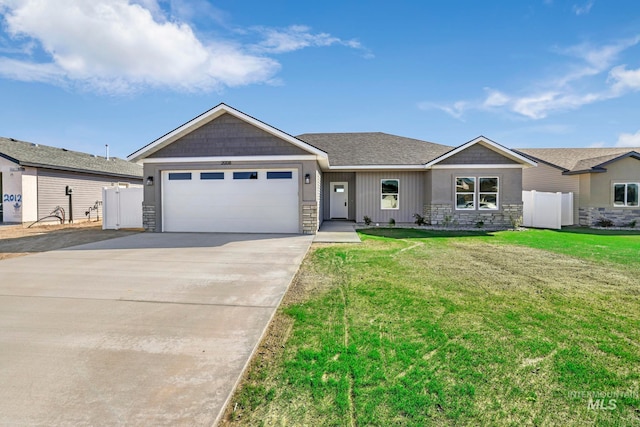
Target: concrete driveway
[{"x": 149, "y": 329}]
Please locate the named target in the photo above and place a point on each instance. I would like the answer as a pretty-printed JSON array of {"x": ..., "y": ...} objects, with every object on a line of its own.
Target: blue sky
[{"x": 543, "y": 73}]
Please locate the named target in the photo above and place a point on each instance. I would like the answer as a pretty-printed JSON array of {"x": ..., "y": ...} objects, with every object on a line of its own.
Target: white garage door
[{"x": 247, "y": 200}]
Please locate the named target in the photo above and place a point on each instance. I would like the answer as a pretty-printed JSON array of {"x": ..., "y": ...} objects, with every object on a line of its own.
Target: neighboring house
[
  {"x": 227, "y": 171},
  {"x": 34, "y": 180},
  {"x": 604, "y": 181}
]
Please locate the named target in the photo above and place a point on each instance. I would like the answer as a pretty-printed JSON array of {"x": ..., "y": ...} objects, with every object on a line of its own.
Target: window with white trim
[
  {"x": 465, "y": 193},
  {"x": 389, "y": 194},
  {"x": 625, "y": 194},
  {"x": 488, "y": 193},
  {"x": 483, "y": 196}
]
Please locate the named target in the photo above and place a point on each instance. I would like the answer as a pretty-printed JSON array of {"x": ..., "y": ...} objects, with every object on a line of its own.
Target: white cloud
[
  {"x": 120, "y": 46},
  {"x": 455, "y": 110},
  {"x": 629, "y": 140},
  {"x": 540, "y": 105},
  {"x": 295, "y": 37},
  {"x": 495, "y": 99},
  {"x": 624, "y": 79},
  {"x": 584, "y": 9},
  {"x": 565, "y": 92}
]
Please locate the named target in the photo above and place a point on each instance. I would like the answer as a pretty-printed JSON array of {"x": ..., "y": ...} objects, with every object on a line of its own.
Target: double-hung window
[
  {"x": 488, "y": 193},
  {"x": 625, "y": 194},
  {"x": 389, "y": 193},
  {"x": 466, "y": 193},
  {"x": 479, "y": 193}
]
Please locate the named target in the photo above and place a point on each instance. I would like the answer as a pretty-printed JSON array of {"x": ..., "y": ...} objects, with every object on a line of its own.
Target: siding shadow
[{"x": 600, "y": 231}]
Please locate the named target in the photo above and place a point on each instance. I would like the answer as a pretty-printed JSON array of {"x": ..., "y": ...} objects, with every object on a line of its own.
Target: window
[
  {"x": 245, "y": 175},
  {"x": 211, "y": 175},
  {"x": 389, "y": 193},
  {"x": 488, "y": 193},
  {"x": 465, "y": 193},
  {"x": 483, "y": 196},
  {"x": 625, "y": 194},
  {"x": 279, "y": 175},
  {"x": 179, "y": 176}
]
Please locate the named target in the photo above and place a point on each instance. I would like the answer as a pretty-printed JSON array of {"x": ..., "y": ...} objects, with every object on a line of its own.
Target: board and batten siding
[
  {"x": 348, "y": 177},
  {"x": 368, "y": 201},
  {"x": 550, "y": 179},
  {"x": 87, "y": 189}
]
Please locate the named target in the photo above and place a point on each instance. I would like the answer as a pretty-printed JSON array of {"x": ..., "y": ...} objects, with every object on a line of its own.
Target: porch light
[
  {"x": 149, "y": 180},
  {"x": 307, "y": 179}
]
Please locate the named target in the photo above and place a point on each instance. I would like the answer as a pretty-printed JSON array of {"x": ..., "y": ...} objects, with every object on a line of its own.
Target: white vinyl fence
[
  {"x": 121, "y": 207},
  {"x": 547, "y": 210}
]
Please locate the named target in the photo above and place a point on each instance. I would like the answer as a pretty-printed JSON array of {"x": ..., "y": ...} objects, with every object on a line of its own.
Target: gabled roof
[
  {"x": 42, "y": 156},
  {"x": 486, "y": 142},
  {"x": 579, "y": 160},
  {"x": 212, "y": 114},
  {"x": 378, "y": 149}
]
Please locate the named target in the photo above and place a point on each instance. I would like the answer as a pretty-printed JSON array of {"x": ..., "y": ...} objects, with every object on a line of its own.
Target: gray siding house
[
  {"x": 227, "y": 171},
  {"x": 34, "y": 179}
]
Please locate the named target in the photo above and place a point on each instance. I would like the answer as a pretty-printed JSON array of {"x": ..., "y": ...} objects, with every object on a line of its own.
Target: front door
[{"x": 338, "y": 202}]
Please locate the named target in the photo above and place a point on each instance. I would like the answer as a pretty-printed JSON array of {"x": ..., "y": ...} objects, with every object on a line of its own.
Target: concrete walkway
[
  {"x": 337, "y": 232},
  {"x": 151, "y": 329}
]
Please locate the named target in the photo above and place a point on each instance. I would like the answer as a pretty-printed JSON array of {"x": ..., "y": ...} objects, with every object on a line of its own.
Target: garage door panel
[{"x": 231, "y": 205}]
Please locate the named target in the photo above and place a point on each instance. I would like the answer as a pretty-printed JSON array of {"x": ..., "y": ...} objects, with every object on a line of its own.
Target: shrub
[
  {"x": 604, "y": 222},
  {"x": 419, "y": 219},
  {"x": 516, "y": 222},
  {"x": 367, "y": 220},
  {"x": 480, "y": 224},
  {"x": 392, "y": 222},
  {"x": 632, "y": 224}
]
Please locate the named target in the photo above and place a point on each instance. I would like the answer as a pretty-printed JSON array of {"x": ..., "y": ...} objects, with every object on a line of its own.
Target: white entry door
[{"x": 339, "y": 200}]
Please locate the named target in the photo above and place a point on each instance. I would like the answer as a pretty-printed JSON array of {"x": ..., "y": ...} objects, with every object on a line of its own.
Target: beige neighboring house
[
  {"x": 604, "y": 181},
  {"x": 34, "y": 179}
]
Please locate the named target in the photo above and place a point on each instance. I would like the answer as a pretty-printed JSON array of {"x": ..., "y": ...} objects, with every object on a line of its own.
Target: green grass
[{"x": 429, "y": 328}]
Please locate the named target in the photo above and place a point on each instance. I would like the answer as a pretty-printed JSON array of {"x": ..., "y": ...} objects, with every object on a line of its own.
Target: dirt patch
[{"x": 17, "y": 240}]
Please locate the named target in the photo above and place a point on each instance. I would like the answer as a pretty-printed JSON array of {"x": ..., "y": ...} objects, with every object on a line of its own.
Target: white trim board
[
  {"x": 479, "y": 166},
  {"x": 378, "y": 167},
  {"x": 227, "y": 159}
]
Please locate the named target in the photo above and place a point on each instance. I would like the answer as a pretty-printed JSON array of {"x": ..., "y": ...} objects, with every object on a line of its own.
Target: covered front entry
[{"x": 240, "y": 200}]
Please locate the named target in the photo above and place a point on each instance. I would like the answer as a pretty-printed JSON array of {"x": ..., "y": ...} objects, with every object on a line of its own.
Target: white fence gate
[
  {"x": 121, "y": 207},
  {"x": 547, "y": 210}
]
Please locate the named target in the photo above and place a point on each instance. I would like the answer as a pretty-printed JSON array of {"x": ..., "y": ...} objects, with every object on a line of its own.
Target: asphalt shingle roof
[
  {"x": 577, "y": 159},
  {"x": 37, "y": 155},
  {"x": 373, "y": 148}
]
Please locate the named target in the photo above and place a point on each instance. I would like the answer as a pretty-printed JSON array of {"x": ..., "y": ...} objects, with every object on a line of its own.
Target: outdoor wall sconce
[
  {"x": 149, "y": 180},
  {"x": 307, "y": 179}
]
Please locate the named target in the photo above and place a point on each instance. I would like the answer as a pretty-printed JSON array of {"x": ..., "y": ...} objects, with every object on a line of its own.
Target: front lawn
[{"x": 430, "y": 328}]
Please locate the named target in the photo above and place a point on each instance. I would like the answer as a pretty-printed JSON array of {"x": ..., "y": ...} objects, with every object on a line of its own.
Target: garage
[{"x": 242, "y": 200}]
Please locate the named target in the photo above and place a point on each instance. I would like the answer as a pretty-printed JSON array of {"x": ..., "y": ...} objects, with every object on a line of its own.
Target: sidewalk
[{"x": 337, "y": 232}]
